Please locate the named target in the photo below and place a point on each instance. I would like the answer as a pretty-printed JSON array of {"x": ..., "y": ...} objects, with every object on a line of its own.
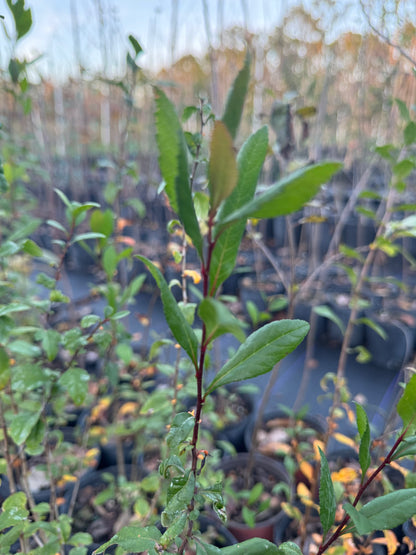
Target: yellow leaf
[
  {"x": 389, "y": 540},
  {"x": 196, "y": 276},
  {"x": 345, "y": 440},
  {"x": 128, "y": 408},
  {"x": 303, "y": 491},
  {"x": 307, "y": 470},
  {"x": 346, "y": 475}
]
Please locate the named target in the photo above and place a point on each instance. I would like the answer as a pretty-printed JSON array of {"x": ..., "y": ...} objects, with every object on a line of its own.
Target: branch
[{"x": 386, "y": 39}]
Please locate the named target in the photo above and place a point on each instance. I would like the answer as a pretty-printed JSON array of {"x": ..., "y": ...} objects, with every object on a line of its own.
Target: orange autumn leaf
[
  {"x": 196, "y": 276},
  {"x": 307, "y": 470}
]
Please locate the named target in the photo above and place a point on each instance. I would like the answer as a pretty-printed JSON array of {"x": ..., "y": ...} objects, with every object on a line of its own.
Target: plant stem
[{"x": 363, "y": 487}]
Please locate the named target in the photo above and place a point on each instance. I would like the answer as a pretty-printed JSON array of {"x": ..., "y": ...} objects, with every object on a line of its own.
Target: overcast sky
[{"x": 151, "y": 21}]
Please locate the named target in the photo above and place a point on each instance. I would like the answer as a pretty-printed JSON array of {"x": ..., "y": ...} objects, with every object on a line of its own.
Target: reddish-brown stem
[{"x": 361, "y": 491}]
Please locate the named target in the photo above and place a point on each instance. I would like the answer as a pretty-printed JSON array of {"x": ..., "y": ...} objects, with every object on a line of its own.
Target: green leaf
[
  {"x": 406, "y": 407},
  {"x": 404, "y": 111},
  {"x": 50, "y": 343},
  {"x": 250, "y": 160},
  {"x": 168, "y": 130},
  {"x": 288, "y": 194},
  {"x": 176, "y": 321},
  {"x": 180, "y": 493},
  {"x": 110, "y": 261},
  {"x": 373, "y": 325},
  {"x": 186, "y": 209},
  {"x": 22, "y": 17},
  {"x": 175, "y": 528},
  {"x": 75, "y": 381},
  {"x": 30, "y": 247},
  {"x": 327, "y": 312},
  {"x": 24, "y": 348},
  {"x": 364, "y": 430},
  {"x": 89, "y": 320},
  {"x": 188, "y": 112},
  {"x": 180, "y": 429},
  {"x": 22, "y": 425},
  {"x": 133, "y": 539},
  {"x": 222, "y": 166},
  {"x": 13, "y": 510},
  {"x": 288, "y": 548},
  {"x": 64, "y": 198},
  {"x": 119, "y": 315},
  {"x": 13, "y": 307},
  {"x": 88, "y": 235},
  {"x": 102, "y": 222},
  {"x": 257, "y": 546},
  {"x": 173, "y": 162},
  {"x": 136, "y": 45},
  {"x": 219, "y": 320},
  {"x": 407, "y": 448},
  {"x": 403, "y": 169},
  {"x": 249, "y": 516},
  {"x": 235, "y": 99},
  {"x": 327, "y": 501},
  {"x": 261, "y": 351},
  {"x": 4, "y": 368},
  {"x": 410, "y": 133},
  {"x": 385, "y": 512}
]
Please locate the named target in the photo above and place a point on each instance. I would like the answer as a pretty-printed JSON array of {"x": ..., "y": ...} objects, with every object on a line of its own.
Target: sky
[{"x": 150, "y": 21}]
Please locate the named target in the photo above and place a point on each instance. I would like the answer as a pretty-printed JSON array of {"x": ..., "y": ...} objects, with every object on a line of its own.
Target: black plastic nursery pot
[
  {"x": 265, "y": 470},
  {"x": 395, "y": 350}
]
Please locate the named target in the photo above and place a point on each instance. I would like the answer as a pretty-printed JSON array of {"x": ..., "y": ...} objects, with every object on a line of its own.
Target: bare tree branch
[{"x": 386, "y": 39}]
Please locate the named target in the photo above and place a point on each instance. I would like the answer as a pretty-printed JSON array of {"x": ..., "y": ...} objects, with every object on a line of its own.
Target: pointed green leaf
[
  {"x": 289, "y": 194},
  {"x": 180, "y": 328},
  {"x": 407, "y": 448},
  {"x": 186, "y": 209},
  {"x": 219, "y": 320},
  {"x": 373, "y": 325},
  {"x": 406, "y": 407},
  {"x": 236, "y": 97},
  {"x": 168, "y": 130},
  {"x": 327, "y": 312},
  {"x": 385, "y": 512},
  {"x": 173, "y": 162},
  {"x": 222, "y": 167},
  {"x": 30, "y": 247},
  {"x": 261, "y": 351},
  {"x": 133, "y": 539},
  {"x": 136, "y": 45},
  {"x": 250, "y": 160},
  {"x": 364, "y": 431},
  {"x": 22, "y": 17},
  {"x": 359, "y": 520},
  {"x": 87, "y": 235},
  {"x": 327, "y": 501},
  {"x": 75, "y": 381}
]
